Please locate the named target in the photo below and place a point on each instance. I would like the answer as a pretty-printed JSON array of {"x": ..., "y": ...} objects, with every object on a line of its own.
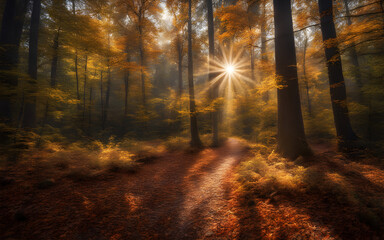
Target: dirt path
[
  {"x": 178, "y": 196},
  {"x": 184, "y": 196}
]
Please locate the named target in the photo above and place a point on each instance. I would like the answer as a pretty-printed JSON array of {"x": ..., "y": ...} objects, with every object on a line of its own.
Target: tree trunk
[
  {"x": 195, "y": 139},
  {"x": 55, "y": 58},
  {"x": 263, "y": 46},
  {"x": 29, "y": 118},
  {"x": 180, "y": 66},
  {"x": 346, "y": 136},
  {"x": 76, "y": 57},
  {"x": 213, "y": 90},
  {"x": 309, "y": 107},
  {"x": 107, "y": 96},
  {"x": 142, "y": 62},
  {"x": 252, "y": 55},
  {"x": 10, "y": 35},
  {"x": 85, "y": 87},
  {"x": 291, "y": 140},
  {"x": 101, "y": 96},
  {"x": 77, "y": 76},
  {"x": 126, "y": 92}
]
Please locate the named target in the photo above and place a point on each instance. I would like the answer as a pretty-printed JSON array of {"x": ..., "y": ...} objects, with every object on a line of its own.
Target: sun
[{"x": 230, "y": 69}]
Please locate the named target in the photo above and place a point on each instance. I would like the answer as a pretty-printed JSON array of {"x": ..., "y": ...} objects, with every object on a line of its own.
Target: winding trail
[
  {"x": 177, "y": 196},
  {"x": 184, "y": 196}
]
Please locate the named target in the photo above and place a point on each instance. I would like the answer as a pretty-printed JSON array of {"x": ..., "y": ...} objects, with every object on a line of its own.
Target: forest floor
[{"x": 178, "y": 195}]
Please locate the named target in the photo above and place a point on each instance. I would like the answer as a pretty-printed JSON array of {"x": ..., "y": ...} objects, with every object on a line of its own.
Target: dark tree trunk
[
  {"x": 180, "y": 66},
  {"x": 252, "y": 55},
  {"x": 107, "y": 96},
  {"x": 101, "y": 96},
  {"x": 213, "y": 90},
  {"x": 346, "y": 136},
  {"x": 10, "y": 35},
  {"x": 85, "y": 87},
  {"x": 76, "y": 58},
  {"x": 195, "y": 139},
  {"x": 291, "y": 141},
  {"x": 55, "y": 58},
  {"x": 77, "y": 77},
  {"x": 263, "y": 46},
  {"x": 142, "y": 63},
  {"x": 33, "y": 39},
  {"x": 309, "y": 107},
  {"x": 354, "y": 58},
  {"x": 126, "y": 92},
  {"x": 29, "y": 119}
]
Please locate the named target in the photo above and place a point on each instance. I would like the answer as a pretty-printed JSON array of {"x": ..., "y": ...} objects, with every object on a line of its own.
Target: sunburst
[{"x": 230, "y": 70}]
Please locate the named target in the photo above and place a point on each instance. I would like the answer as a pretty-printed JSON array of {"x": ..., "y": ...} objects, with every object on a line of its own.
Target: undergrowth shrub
[
  {"x": 270, "y": 176},
  {"x": 265, "y": 176},
  {"x": 176, "y": 143}
]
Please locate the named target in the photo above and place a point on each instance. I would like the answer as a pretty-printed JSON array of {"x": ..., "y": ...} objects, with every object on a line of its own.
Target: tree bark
[
  {"x": 309, "y": 107},
  {"x": 85, "y": 86},
  {"x": 10, "y": 36},
  {"x": 213, "y": 90},
  {"x": 180, "y": 66},
  {"x": 107, "y": 96},
  {"x": 77, "y": 76},
  {"x": 126, "y": 92},
  {"x": 29, "y": 116},
  {"x": 291, "y": 140},
  {"x": 142, "y": 62},
  {"x": 263, "y": 46},
  {"x": 76, "y": 57},
  {"x": 346, "y": 135},
  {"x": 195, "y": 139},
  {"x": 101, "y": 96}
]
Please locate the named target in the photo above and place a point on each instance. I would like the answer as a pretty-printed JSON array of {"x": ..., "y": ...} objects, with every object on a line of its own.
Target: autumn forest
[{"x": 191, "y": 119}]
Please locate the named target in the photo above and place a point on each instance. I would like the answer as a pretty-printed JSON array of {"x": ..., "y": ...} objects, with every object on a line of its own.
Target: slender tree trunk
[
  {"x": 263, "y": 46},
  {"x": 77, "y": 76},
  {"x": 10, "y": 36},
  {"x": 213, "y": 90},
  {"x": 291, "y": 140},
  {"x": 354, "y": 58},
  {"x": 29, "y": 119},
  {"x": 85, "y": 86},
  {"x": 195, "y": 139},
  {"x": 305, "y": 76},
  {"x": 126, "y": 91},
  {"x": 55, "y": 58},
  {"x": 180, "y": 66},
  {"x": 76, "y": 57},
  {"x": 252, "y": 55},
  {"x": 346, "y": 135},
  {"x": 107, "y": 96},
  {"x": 142, "y": 74}
]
